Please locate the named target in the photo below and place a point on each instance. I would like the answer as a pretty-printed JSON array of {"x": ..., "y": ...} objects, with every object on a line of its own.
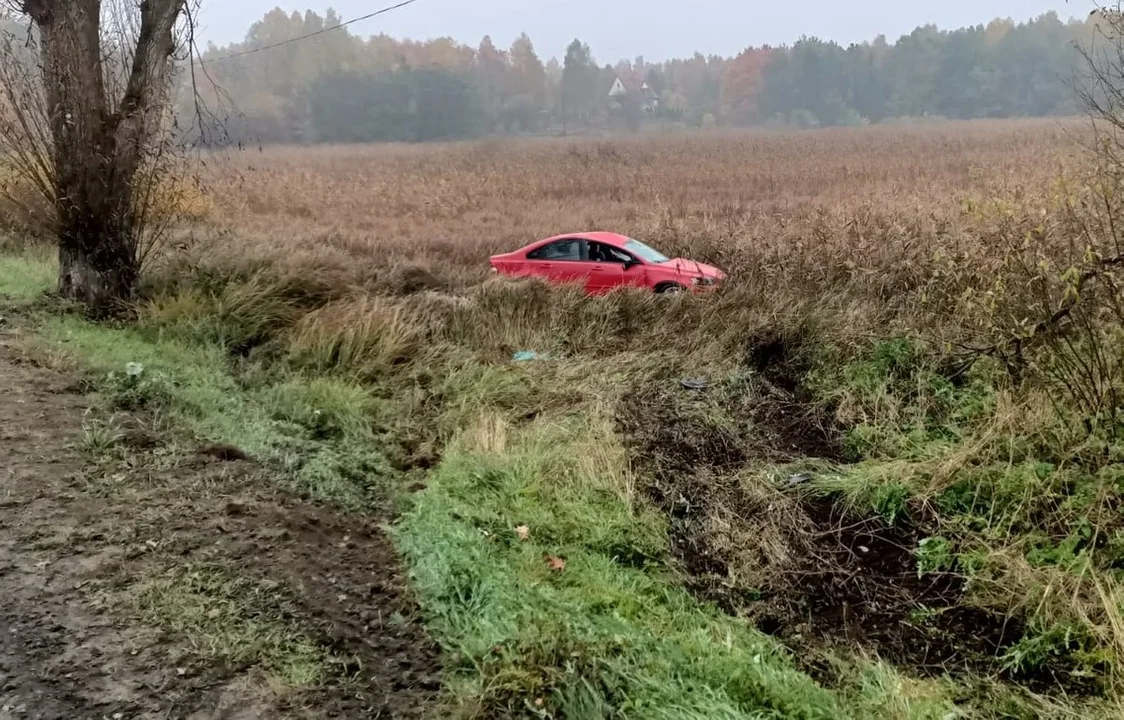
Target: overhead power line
[{"x": 306, "y": 36}]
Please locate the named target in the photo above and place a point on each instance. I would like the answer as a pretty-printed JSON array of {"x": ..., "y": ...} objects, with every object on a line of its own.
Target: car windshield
[{"x": 645, "y": 253}]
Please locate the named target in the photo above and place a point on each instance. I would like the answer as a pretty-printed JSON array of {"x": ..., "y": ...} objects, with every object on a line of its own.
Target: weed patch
[
  {"x": 230, "y": 621},
  {"x": 27, "y": 273},
  {"x": 319, "y": 431}
]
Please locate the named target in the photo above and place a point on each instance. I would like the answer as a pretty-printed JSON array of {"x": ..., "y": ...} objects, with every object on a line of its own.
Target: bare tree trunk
[
  {"x": 97, "y": 265},
  {"x": 98, "y": 148},
  {"x": 72, "y": 77}
]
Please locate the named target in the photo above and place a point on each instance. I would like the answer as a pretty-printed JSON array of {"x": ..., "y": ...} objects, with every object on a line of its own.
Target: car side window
[
  {"x": 561, "y": 250},
  {"x": 600, "y": 252}
]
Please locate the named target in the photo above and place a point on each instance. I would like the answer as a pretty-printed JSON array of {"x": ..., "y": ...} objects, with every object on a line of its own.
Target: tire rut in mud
[{"x": 801, "y": 568}]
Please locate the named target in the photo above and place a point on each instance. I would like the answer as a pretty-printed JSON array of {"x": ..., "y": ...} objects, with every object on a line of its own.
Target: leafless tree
[
  {"x": 1083, "y": 333},
  {"x": 1101, "y": 90},
  {"x": 86, "y": 124}
]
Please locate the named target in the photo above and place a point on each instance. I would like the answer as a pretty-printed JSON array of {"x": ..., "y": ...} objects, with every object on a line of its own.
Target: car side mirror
[{"x": 629, "y": 264}]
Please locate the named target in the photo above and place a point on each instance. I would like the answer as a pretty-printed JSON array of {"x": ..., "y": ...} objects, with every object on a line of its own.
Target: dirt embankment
[
  {"x": 798, "y": 565},
  {"x": 104, "y": 612}
]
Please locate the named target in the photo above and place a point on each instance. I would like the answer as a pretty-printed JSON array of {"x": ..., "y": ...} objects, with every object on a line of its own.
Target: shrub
[
  {"x": 135, "y": 388},
  {"x": 364, "y": 338}
]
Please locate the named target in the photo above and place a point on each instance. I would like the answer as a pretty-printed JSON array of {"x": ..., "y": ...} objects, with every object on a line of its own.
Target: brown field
[{"x": 368, "y": 210}]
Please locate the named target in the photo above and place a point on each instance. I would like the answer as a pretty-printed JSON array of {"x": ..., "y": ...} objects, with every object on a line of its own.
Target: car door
[
  {"x": 559, "y": 261},
  {"x": 611, "y": 268}
]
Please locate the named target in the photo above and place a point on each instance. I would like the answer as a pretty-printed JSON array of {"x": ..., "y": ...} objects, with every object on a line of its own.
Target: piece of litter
[
  {"x": 864, "y": 549},
  {"x": 695, "y": 383},
  {"x": 181, "y": 671},
  {"x": 526, "y": 356},
  {"x": 556, "y": 563},
  {"x": 523, "y": 532},
  {"x": 798, "y": 479}
]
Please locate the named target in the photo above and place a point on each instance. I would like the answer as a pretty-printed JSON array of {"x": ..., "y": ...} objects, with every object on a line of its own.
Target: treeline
[
  {"x": 999, "y": 70},
  {"x": 338, "y": 87}
]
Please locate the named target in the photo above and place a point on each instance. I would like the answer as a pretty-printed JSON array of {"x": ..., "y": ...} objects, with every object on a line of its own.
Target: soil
[
  {"x": 807, "y": 572},
  {"x": 848, "y": 583},
  {"x": 76, "y": 534},
  {"x": 859, "y": 585}
]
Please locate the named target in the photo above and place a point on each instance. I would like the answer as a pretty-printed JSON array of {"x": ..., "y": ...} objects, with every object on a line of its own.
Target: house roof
[{"x": 634, "y": 82}]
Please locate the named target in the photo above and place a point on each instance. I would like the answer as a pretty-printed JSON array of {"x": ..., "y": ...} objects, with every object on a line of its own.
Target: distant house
[{"x": 634, "y": 84}]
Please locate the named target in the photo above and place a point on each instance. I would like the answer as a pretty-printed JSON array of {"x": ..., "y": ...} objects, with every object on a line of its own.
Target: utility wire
[{"x": 299, "y": 38}]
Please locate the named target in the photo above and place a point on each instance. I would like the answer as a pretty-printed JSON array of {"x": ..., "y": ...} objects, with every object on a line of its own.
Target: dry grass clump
[
  {"x": 364, "y": 337},
  {"x": 239, "y": 311},
  {"x": 181, "y": 200}
]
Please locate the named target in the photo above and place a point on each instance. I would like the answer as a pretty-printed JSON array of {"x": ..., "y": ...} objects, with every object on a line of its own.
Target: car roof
[{"x": 609, "y": 238}]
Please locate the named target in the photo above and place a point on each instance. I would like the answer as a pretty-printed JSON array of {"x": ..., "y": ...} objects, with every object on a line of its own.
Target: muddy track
[
  {"x": 799, "y": 566},
  {"x": 77, "y": 536}
]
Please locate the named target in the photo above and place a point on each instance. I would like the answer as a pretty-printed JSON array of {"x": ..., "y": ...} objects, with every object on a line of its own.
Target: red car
[{"x": 603, "y": 261}]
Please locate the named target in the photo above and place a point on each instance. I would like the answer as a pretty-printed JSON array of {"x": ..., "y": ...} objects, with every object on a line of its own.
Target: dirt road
[{"x": 157, "y": 581}]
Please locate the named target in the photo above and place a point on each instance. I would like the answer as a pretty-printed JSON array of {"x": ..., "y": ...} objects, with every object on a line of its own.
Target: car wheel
[{"x": 670, "y": 289}]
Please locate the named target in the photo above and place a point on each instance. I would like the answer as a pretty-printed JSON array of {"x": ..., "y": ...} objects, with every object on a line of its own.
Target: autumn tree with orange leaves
[{"x": 742, "y": 84}]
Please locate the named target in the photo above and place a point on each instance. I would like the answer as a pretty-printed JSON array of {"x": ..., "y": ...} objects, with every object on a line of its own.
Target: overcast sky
[{"x": 657, "y": 29}]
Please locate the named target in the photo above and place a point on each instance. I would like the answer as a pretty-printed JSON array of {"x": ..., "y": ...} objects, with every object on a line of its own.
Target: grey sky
[{"x": 657, "y": 29}]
